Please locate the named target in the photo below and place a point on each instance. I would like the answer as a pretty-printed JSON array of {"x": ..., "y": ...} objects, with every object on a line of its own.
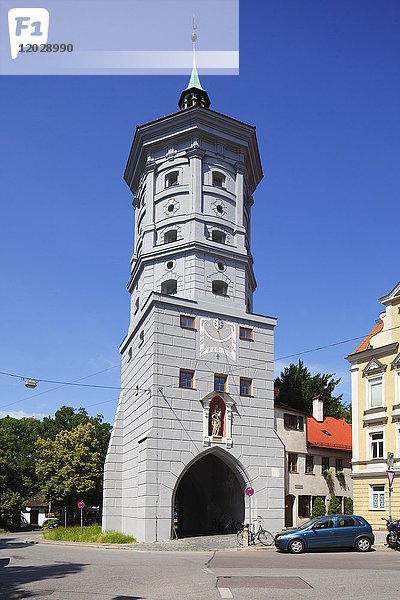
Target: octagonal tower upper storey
[{"x": 192, "y": 174}]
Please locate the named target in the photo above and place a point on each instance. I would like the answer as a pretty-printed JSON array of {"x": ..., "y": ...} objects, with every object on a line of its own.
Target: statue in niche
[{"x": 216, "y": 421}]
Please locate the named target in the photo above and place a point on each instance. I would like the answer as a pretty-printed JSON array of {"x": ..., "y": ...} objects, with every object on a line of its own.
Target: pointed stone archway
[{"x": 209, "y": 496}]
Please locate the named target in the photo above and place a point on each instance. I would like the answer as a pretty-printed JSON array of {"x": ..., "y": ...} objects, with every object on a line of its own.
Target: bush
[
  {"x": 334, "y": 506},
  {"x": 318, "y": 509},
  {"x": 348, "y": 506},
  {"x": 51, "y": 523},
  {"x": 92, "y": 533}
]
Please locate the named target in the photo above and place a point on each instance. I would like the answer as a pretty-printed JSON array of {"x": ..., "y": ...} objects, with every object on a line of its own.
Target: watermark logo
[
  {"x": 78, "y": 44},
  {"x": 27, "y": 26}
]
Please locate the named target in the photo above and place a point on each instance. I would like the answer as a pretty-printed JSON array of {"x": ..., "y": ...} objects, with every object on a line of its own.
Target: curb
[
  {"x": 87, "y": 545},
  {"x": 137, "y": 548}
]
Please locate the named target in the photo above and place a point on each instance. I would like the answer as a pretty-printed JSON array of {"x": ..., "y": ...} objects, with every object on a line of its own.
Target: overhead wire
[
  {"x": 54, "y": 388},
  {"x": 76, "y": 383},
  {"x": 66, "y": 383}
]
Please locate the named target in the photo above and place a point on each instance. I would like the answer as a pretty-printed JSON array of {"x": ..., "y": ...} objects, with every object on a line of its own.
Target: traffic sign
[
  {"x": 249, "y": 491},
  {"x": 81, "y": 504},
  {"x": 390, "y": 476}
]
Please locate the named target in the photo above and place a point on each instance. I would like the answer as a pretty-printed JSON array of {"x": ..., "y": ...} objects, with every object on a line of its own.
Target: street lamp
[{"x": 31, "y": 383}]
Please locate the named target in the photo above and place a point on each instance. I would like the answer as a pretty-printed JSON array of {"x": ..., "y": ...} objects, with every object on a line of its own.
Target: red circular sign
[
  {"x": 249, "y": 491},
  {"x": 81, "y": 504}
]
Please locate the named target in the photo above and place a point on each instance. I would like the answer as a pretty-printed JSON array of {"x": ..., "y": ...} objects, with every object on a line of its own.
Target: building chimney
[{"x": 318, "y": 409}]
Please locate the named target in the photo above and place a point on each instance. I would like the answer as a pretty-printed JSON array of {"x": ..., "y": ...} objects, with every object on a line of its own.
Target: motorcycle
[{"x": 393, "y": 537}]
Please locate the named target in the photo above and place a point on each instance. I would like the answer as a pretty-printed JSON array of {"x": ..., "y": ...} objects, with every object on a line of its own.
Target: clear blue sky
[{"x": 320, "y": 80}]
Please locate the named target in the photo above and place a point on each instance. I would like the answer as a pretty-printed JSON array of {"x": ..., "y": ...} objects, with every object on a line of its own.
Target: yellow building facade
[{"x": 375, "y": 392}]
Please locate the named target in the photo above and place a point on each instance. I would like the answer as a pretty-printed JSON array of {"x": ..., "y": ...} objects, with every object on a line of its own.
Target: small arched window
[
  {"x": 220, "y": 288},
  {"x": 171, "y": 179},
  {"x": 142, "y": 196},
  {"x": 170, "y": 236},
  {"x": 218, "y": 236},
  {"x": 141, "y": 338},
  {"x": 169, "y": 287},
  {"x": 218, "y": 179}
]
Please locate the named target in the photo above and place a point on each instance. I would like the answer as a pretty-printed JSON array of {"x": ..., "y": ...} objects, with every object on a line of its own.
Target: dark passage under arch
[{"x": 209, "y": 499}]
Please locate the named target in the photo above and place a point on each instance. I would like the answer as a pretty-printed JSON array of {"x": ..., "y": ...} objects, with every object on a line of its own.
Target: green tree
[
  {"x": 297, "y": 388},
  {"x": 334, "y": 506},
  {"x": 18, "y": 480},
  {"x": 70, "y": 467},
  {"x": 67, "y": 418},
  {"x": 348, "y": 506},
  {"x": 318, "y": 509},
  {"x": 18, "y": 455}
]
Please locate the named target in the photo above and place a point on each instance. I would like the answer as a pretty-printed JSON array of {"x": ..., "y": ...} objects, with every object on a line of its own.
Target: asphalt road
[{"x": 61, "y": 572}]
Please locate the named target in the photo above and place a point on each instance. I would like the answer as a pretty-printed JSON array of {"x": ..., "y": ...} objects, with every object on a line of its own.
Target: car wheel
[
  {"x": 363, "y": 544},
  {"x": 296, "y": 546}
]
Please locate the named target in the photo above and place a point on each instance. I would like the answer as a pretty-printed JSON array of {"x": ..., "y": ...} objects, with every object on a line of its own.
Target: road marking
[
  {"x": 207, "y": 570},
  {"x": 225, "y": 593}
]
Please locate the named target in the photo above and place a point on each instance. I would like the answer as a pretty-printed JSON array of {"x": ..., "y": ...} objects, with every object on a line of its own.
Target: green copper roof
[{"x": 194, "y": 77}]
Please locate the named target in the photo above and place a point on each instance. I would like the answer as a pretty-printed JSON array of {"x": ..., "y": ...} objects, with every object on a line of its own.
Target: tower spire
[
  {"x": 194, "y": 94},
  {"x": 194, "y": 78}
]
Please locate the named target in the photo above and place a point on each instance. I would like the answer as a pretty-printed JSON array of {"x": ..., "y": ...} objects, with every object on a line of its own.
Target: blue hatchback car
[{"x": 333, "y": 531}]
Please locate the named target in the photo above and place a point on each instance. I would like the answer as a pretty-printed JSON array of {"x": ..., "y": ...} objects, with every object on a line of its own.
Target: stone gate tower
[{"x": 195, "y": 419}]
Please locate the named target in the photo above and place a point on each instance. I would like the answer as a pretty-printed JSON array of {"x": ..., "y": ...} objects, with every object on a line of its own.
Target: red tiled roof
[
  {"x": 339, "y": 429},
  {"x": 366, "y": 341}
]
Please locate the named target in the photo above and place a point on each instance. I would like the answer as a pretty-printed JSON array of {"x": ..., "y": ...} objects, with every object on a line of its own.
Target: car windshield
[{"x": 308, "y": 524}]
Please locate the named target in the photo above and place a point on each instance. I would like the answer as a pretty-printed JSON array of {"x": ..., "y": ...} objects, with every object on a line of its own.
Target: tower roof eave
[{"x": 144, "y": 134}]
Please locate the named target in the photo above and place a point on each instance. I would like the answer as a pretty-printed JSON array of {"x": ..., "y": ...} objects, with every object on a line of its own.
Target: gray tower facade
[{"x": 195, "y": 420}]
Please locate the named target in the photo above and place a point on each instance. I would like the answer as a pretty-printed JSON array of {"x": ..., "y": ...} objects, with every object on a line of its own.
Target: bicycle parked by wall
[
  {"x": 255, "y": 533},
  {"x": 230, "y": 525}
]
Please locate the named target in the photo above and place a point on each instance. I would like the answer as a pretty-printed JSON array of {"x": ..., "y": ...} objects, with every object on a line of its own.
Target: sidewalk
[
  {"x": 193, "y": 544},
  {"x": 380, "y": 536}
]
